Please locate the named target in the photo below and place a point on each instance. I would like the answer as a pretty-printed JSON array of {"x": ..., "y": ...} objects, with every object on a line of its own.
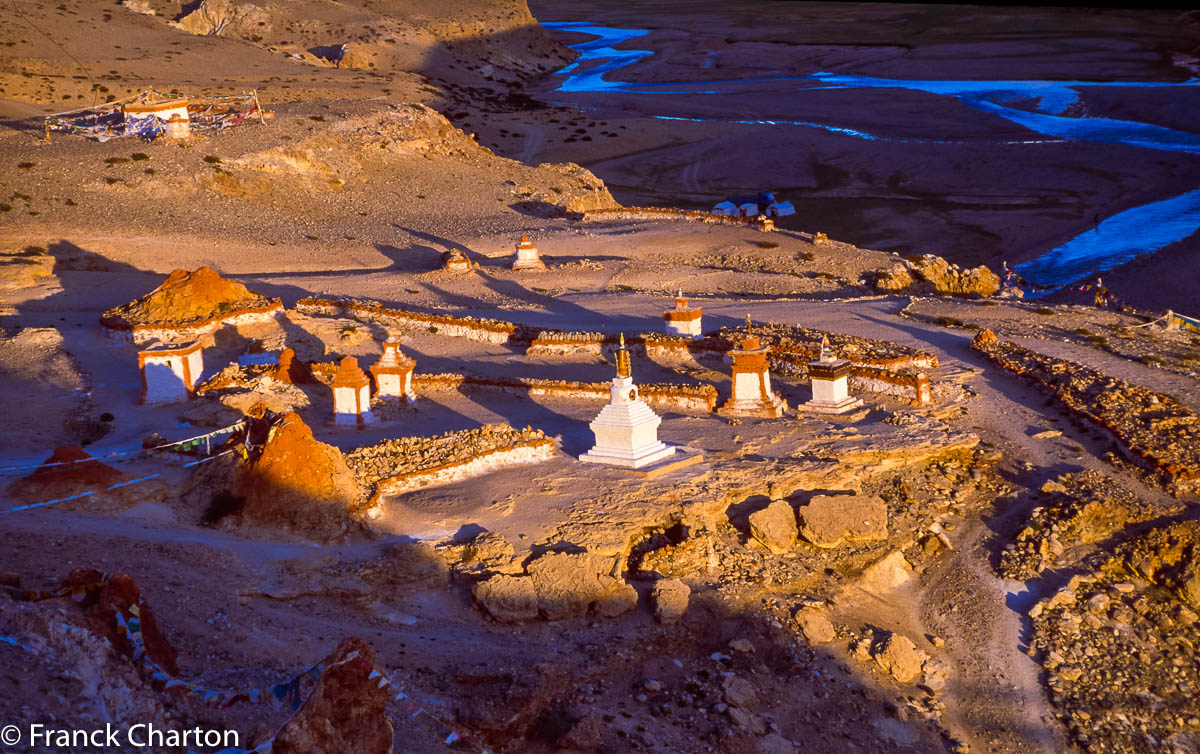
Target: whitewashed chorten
[
  {"x": 751, "y": 394},
  {"x": 527, "y": 256},
  {"x": 351, "y": 394},
  {"x": 393, "y": 372},
  {"x": 683, "y": 319},
  {"x": 626, "y": 429},
  {"x": 829, "y": 376}
]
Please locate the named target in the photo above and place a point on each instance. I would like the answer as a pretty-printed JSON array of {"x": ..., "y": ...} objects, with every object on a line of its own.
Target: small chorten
[
  {"x": 177, "y": 127},
  {"x": 351, "y": 394},
  {"x": 626, "y": 429},
  {"x": 683, "y": 319},
  {"x": 393, "y": 372},
  {"x": 829, "y": 376},
  {"x": 170, "y": 371},
  {"x": 455, "y": 260},
  {"x": 527, "y": 256},
  {"x": 751, "y": 391},
  {"x": 764, "y": 223}
]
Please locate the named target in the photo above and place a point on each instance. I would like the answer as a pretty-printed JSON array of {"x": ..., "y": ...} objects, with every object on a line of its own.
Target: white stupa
[
  {"x": 829, "y": 376},
  {"x": 626, "y": 429}
]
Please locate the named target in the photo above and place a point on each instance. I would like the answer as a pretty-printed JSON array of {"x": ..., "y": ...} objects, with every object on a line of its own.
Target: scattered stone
[
  {"x": 739, "y": 692},
  {"x": 742, "y": 646},
  {"x": 817, "y": 629}
]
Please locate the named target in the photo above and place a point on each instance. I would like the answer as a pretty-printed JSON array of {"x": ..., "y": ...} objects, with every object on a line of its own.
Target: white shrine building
[
  {"x": 170, "y": 371},
  {"x": 751, "y": 394},
  {"x": 527, "y": 256}
]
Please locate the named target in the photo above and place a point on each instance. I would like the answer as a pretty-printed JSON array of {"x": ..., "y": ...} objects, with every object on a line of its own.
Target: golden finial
[
  {"x": 624, "y": 368},
  {"x": 747, "y": 324}
]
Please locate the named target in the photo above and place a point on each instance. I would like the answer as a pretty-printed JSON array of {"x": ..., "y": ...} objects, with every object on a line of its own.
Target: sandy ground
[{"x": 248, "y": 606}]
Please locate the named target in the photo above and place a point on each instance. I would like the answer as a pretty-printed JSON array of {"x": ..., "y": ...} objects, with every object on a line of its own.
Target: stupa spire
[{"x": 624, "y": 368}]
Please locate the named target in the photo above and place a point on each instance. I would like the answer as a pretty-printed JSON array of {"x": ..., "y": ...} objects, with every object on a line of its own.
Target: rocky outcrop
[
  {"x": 833, "y": 520},
  {"x": 775, "y": 526},
  {"x": 346, "y": 711},
  {"x": 898, "y": 656},
  {"x": 670, "y": 597},
  {"x": 579, "y": 190},
  {"x": 226, "y": 18},
  {"x": 932, "y": 274},
  {"x": 558, "y": 585}
]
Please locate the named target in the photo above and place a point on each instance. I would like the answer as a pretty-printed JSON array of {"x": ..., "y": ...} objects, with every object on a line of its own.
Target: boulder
[
  {"x": 775, "y": 527},
  {"x": 346, "y": 713},
  {"x": 833, "y": 520},
  {"x": 815, "y": 627},
  {"x": 558, "y": 585},
  {"x": 899, "y": 656},
  {"x": 569, "y": 584},
  {"x": 508, "y": 599},
  {"x": 892, "y": 571},
  {"x": 670, "y": 600}
]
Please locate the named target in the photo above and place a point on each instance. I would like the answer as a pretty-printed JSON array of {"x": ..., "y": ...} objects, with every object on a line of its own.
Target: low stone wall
[
  {"x": 1154, "y": 429},
  {"x": 670, "y": 213},
  {"x": 667, "y": 396},
  {"x": 517, "y": 455},
  {"x": 471, "y": 328},
  {"x": 401, "y": 465},
  {"x": 121, "y": 330},
  {"x": 912, "y": 387}
]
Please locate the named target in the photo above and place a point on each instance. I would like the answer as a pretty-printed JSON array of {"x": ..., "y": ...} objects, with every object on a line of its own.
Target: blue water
[{"x": 1114, "y": 241}]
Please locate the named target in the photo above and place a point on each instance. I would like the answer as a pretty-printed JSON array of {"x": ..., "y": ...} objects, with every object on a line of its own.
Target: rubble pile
[
  {"x": 402, "y": 456},
  {"x": 71, "y": 472},
  {"x": 188, "y": 299},
  {"x": 932, "y": 274},
  {"x": 1083, "y": 508},
  {"x": 244, "y": 388},
  {"x": 1154, "y": 428},
  {"x": 298, "y": 484},
  {"x": 1118, "y": 647}
]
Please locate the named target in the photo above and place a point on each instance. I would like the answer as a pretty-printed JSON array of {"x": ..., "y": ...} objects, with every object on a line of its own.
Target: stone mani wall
[
  {"x": 670, "y": 213},
  {"x": 125, "y": 332},
  {"x": 532, "y": 451},
  {"x": 673, "y": 397},
  {"x": 400, "y": 465},
  {"x": 471, "y": 328},
  {"x": 1154, "y": 429}
]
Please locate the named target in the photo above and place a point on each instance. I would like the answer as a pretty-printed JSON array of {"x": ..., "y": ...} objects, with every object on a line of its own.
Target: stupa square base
[
  {"x": 827, "y": 407},
  {"x": 761, "y": 409},
  {"x": 629, "y": 461}
]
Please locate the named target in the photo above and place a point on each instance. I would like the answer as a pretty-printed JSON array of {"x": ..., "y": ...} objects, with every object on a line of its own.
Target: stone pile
[
  {"x": 1083, "y": 508},
  {"x": 1162, "y": 434}
]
